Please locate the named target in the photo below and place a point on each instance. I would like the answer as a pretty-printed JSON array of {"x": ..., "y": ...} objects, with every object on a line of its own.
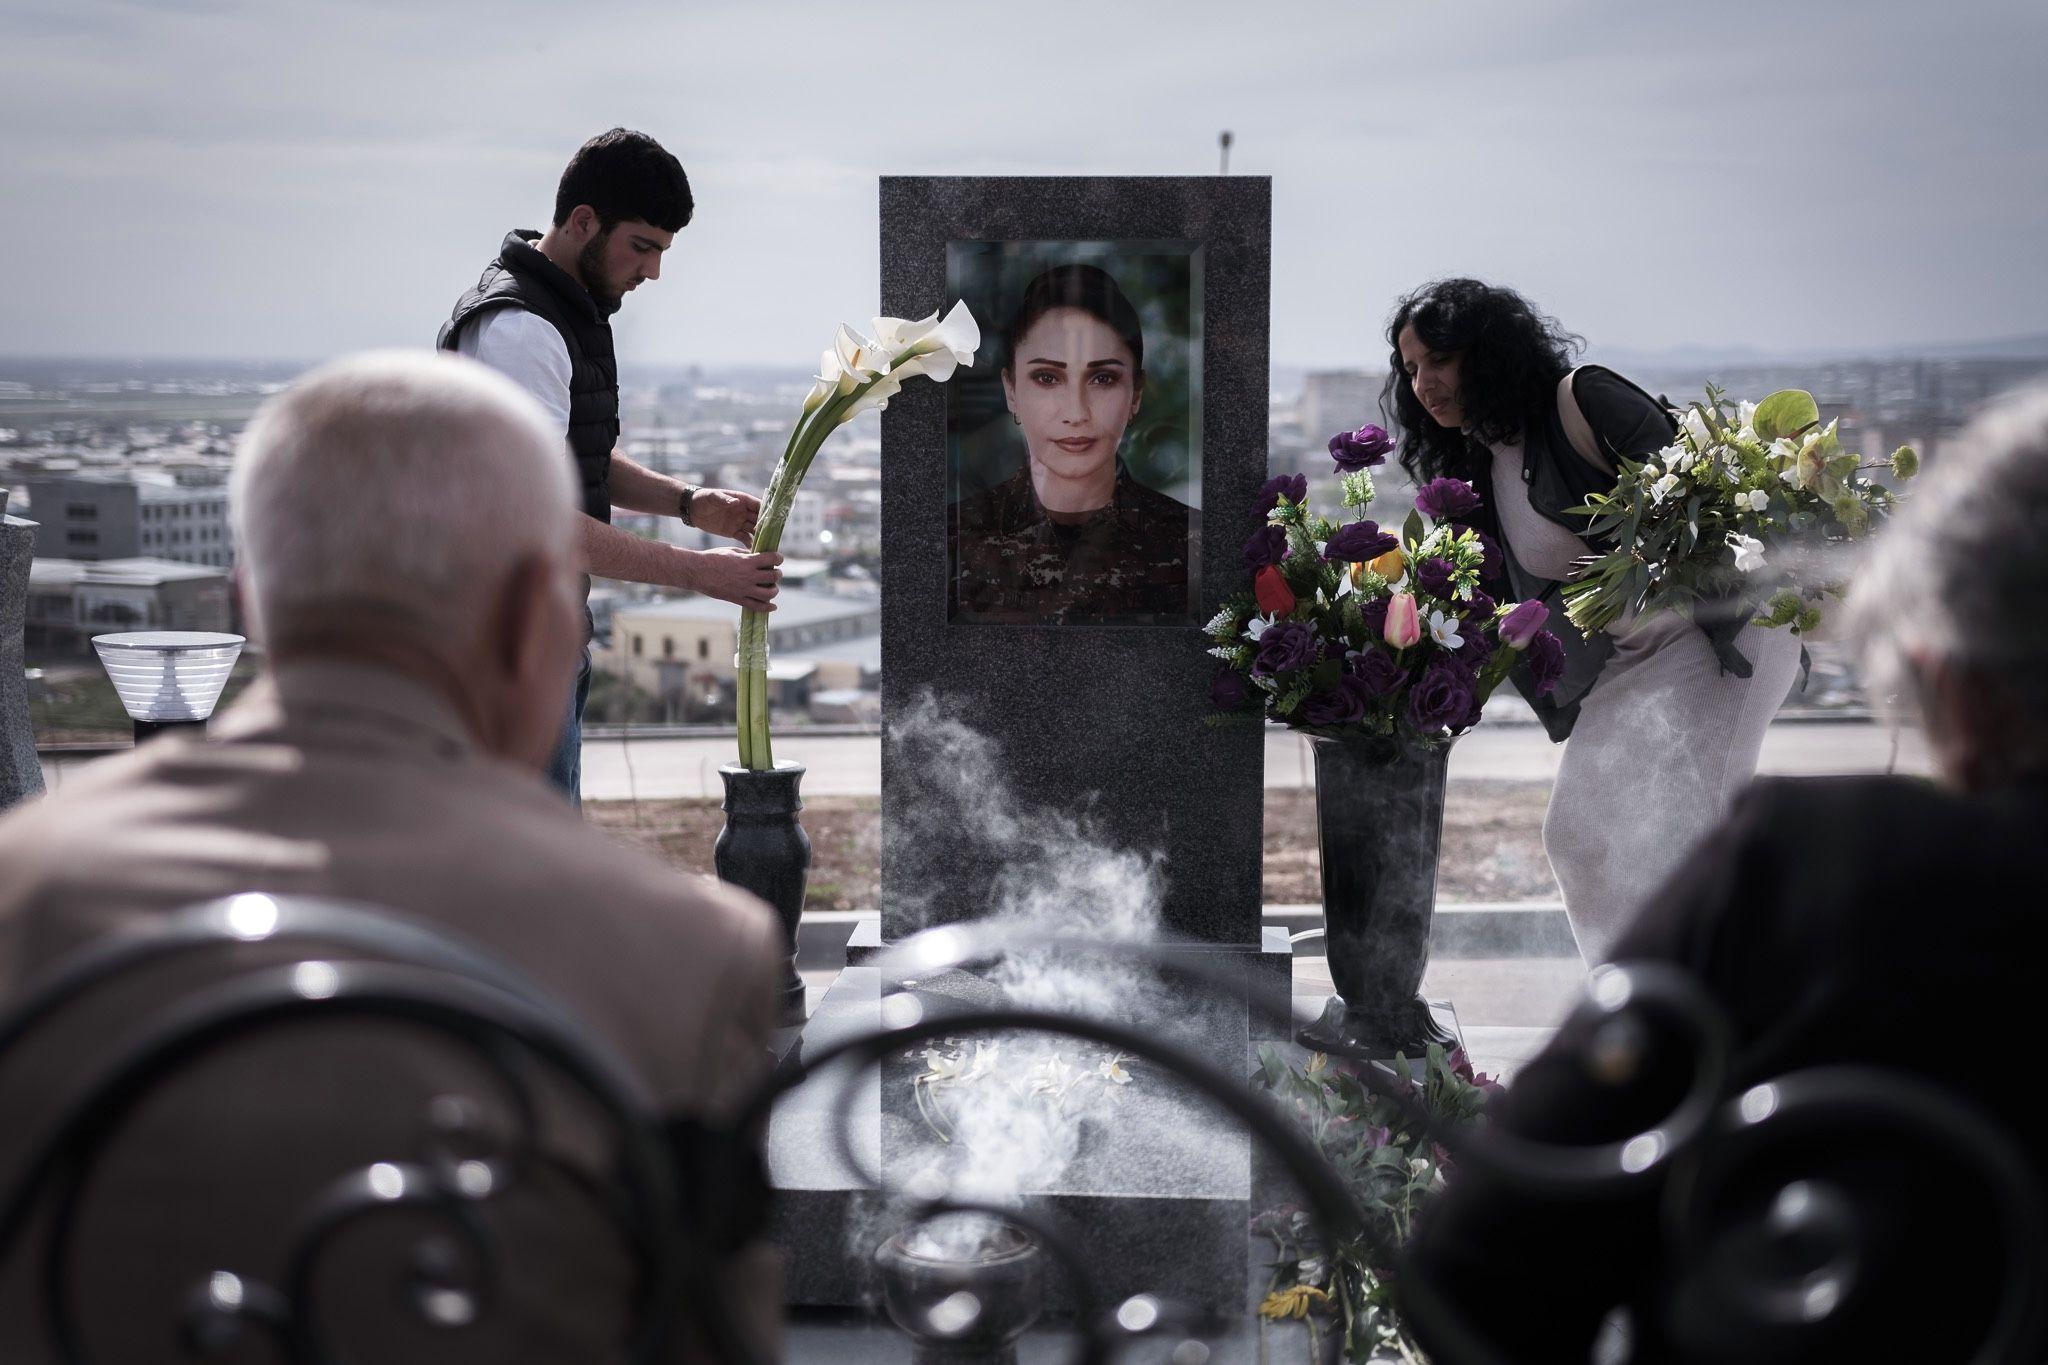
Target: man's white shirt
[{"x": 525, "y": 348}]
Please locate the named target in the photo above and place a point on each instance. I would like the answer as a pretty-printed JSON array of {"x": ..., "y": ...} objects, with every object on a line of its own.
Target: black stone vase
[
  {"x": 1379, "y": 819},
  {"x": 763, "y": 849}
]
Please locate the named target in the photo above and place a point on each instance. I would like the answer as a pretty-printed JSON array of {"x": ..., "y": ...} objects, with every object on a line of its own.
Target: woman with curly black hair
[{"x": 1665, "y": 715}]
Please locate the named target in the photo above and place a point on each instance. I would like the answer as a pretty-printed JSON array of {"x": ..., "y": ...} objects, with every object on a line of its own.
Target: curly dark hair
[
  {"x": 622, "y": 174},
  {"x": 1510, "y": 359}
]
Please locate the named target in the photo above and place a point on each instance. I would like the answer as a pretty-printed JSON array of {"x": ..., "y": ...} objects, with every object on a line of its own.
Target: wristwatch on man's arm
[{"x": 683, "y": 503}]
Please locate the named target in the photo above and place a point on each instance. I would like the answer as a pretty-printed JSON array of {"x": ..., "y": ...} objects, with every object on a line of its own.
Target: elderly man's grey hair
[
  {"x": 396, "y": 487},
  {"x": 1961, "y": 573}
]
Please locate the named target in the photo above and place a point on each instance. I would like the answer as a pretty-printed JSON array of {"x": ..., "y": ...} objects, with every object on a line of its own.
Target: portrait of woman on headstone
[{"x": 1068, "y": 532}]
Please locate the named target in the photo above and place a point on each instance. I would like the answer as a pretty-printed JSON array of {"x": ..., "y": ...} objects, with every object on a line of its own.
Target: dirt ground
[{"x": 1492, "y": 845}]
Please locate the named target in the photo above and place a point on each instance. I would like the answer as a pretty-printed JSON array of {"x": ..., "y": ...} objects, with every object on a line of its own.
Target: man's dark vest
[{"x": 523, "y": 278}]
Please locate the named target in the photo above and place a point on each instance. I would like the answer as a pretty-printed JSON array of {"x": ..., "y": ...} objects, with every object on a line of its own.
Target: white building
[{"x": 145, "y": 515}]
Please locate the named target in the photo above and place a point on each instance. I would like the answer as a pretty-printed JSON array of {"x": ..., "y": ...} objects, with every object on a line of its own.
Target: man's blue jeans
[{"x": 565, "y": 768}]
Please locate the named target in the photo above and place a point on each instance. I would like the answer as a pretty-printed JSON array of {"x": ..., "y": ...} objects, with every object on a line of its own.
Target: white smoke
[{"x": 1019, "y": 1125}]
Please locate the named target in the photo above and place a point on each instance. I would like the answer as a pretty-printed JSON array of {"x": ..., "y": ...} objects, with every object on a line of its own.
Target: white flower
[
  {"x": 944, "y": 1068},
  {"x": 1112, "y": 1070},
  {"x": 1256, "y": 627},
  {"x": 1745, "y": 416},
  {"x": 1696, "y": 427},
  {"x": 858, "y": 355},
  {"x": 1665, "y": 487},
  {"x": 1219, "y": 621},
  {"x": 1749, "y": 553},
  {"x": 1443, "y": 629},
  {"x": 939, "y": 346},
  {"x": 1756, "y": 499},
  {"x": 831, "y": 380},
  {"x": 1053, "y": 1077}
]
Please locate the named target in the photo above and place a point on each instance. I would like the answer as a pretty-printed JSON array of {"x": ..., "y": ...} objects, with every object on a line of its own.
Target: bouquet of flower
[
  {"x": 1390, "y": 1169},
  {"x": 1748, "y": 502},
  {"x": 1350, "y": 630}
]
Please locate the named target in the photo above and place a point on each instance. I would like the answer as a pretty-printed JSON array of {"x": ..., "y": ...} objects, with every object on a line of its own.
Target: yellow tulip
[{"x": 1390, "y": 565}]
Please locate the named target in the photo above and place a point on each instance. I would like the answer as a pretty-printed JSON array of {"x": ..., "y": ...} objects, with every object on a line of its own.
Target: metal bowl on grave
[{"x": 962, "y": 1306}]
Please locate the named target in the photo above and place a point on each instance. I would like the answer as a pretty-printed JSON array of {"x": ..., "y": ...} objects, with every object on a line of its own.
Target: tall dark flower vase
[
  {"x": 763, "y": 849},
  {"x": 1379, "y": 818}
]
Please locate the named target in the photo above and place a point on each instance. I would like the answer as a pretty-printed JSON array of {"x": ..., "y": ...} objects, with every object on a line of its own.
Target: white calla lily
[{"x": 858, "y": 355}]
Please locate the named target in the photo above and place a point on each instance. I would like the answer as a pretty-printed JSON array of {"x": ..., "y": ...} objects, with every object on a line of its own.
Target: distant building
[
  {"x": 72, "y": 600},
  {"x": 804, "y": 532},
  {"x": 681, "y": 649},
  {"x": 104, "y": 516},
  {"x": 1338, "y": 400}
]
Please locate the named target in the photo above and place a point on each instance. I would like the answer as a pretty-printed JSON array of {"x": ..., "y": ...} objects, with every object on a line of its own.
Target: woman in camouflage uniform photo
[{"x": 1072, "y": 536}]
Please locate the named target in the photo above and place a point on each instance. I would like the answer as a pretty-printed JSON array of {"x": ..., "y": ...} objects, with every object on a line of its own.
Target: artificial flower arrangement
[
  {"x": 1747, "y": 502},
  {"x": 1391, "y": 1169},
  {"x": 1350, "y": 630},
  {"x": 856, "y": 373}
]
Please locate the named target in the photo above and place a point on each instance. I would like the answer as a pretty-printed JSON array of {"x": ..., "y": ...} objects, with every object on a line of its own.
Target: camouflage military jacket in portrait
[{"x": 1127, "y": 563}]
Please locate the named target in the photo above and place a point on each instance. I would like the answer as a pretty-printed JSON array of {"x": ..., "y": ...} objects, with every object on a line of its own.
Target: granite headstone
[
  {"x": 1107, "y": 719},
  {"x": 21, "y": 773}
]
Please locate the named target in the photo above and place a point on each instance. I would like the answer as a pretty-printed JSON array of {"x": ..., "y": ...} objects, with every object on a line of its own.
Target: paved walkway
[{"x": 851, "y": 765}]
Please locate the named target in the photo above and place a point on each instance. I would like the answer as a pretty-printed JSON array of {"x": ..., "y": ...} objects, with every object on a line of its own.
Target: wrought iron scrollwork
[{"x": 420, "y": 979}]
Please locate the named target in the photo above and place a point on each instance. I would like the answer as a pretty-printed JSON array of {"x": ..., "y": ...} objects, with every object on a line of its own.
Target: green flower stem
[{"x": 757, "y": 751}]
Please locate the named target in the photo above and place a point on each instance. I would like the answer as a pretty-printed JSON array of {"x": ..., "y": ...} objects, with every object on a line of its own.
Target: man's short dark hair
[{"x": 623, "y": 174}]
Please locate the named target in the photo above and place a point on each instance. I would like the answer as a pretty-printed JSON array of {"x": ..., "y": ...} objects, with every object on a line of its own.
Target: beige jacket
[{"x": 349, "y": 781}]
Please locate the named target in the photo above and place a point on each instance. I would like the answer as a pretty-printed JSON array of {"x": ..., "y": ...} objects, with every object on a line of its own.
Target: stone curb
[{"x": 1465, "y": 929}]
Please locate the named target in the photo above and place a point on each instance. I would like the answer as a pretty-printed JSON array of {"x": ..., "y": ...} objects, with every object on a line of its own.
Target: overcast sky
[{"x": 285, "y": 179}]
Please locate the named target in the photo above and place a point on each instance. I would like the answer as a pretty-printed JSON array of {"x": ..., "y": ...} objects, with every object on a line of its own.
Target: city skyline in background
[{"x": 287, "y": 182}]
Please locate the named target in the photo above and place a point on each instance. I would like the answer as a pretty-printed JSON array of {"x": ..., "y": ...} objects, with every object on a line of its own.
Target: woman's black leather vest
[{"x": 523, "y": 278}]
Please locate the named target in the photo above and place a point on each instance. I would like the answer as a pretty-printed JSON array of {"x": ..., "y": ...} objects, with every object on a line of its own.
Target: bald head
[
  {"x": 402, "y": 484},
  {"x": 415, "y": 509}
]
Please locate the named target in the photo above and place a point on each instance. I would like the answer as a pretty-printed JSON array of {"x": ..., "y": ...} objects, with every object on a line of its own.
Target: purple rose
[
  {"x": 1377, "y": 673},
  {"x": 1227, "y": 691},
  {"x": 1478, "y": 608},
  {"x": 1268, "y": 545},
  {"x": 1293, "y": 487},
  {"x": 1494, "y": 564},
  {"x": 1442, "y": 698},
  {"x": 1476, "y": 650},
  {"x": 1520, "y": 625},
  {"x": 1546, "y": 662},
  {"x": 1358, "y": 542},
  {"x": 1286, "y": 647},
  {"x": 1433, "y": 576},
  {"x": 1470, "y": 718},
  {"x": 1374, "y": 614},
  {"x": 1360, "y": 449},
  {"x": 1343, "y": 705},
  {"x": 1443, "y": 499}
]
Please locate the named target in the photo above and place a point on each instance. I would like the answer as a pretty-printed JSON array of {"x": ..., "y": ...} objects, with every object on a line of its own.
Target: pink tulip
[{"x": 1404, "y": 623}]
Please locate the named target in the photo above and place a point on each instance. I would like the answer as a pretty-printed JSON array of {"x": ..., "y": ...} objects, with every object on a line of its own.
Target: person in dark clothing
[
  {"x": 541, "y": 315},
  {"x": 1665, "y": 715},
  {"x": 1878, "y": 921}
]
